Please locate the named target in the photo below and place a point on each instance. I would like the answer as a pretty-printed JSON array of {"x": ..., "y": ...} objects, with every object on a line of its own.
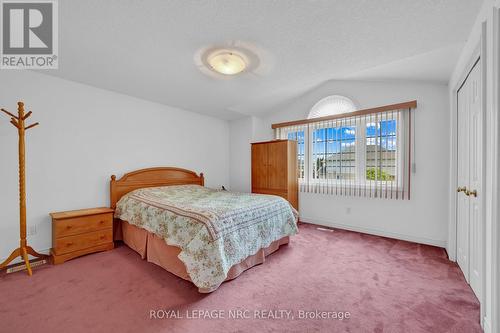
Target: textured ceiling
[
  {"x": 149, "y": 49},
  {"x": 436, "y": 66}
]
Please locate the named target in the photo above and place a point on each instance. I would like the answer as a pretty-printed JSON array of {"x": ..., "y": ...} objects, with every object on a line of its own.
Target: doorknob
[
  {"x": 462, "y": 189},
  {"x": 471, "y": 193}
]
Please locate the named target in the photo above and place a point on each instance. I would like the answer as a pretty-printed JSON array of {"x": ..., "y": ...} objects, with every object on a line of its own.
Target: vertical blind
[{"x": 363, "y": 153}]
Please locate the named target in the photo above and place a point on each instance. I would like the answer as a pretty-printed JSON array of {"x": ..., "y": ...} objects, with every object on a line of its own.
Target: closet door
[
  {"x": 463, "y": 180},
  {"x": 259, "y": 166},
  {"x": 278, "y": 166},
  {"x": 470, "y": 179},
  {"x": 475, "y": 180}
]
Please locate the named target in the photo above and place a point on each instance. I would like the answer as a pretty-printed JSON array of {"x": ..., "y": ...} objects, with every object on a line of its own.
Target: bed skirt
[{"x": 154, "y": 249}]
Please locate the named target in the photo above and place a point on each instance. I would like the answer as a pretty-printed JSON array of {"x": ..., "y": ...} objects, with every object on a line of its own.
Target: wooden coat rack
[{"x": 23, "y": 250}]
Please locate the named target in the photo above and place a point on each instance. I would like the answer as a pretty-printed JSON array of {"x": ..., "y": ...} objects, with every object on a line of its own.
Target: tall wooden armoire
[{"x": 274, "y": 169}]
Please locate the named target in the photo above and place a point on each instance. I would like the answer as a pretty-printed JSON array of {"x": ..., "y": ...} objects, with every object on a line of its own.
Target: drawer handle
[
  {"x": 101, "y": 222},
  {"x": 103, "y": 237},
  {"x": 69, "y": 244},
  {"x": 68, "y": 227}
]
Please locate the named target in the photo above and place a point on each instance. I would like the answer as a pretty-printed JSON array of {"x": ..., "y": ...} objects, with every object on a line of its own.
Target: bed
[{"x": 202, "y": 235}]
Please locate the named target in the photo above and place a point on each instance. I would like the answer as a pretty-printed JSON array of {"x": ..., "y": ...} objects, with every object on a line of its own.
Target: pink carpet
[{"x": 385, "y": 285}]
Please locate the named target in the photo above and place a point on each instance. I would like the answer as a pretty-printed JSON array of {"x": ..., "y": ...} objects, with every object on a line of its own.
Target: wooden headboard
[{"x": 150, "y": 178}]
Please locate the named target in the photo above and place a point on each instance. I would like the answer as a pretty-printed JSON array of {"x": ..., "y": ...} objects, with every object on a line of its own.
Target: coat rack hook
[
  {"x": 32, "y": 125},
  {"x": 10, "y": 114},
  {"x": 27, "y": 115},
  {"x": 13, "y": 122}
]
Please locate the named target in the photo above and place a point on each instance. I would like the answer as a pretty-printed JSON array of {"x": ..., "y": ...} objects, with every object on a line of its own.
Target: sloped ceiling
[{"x": 150, "y": 49}]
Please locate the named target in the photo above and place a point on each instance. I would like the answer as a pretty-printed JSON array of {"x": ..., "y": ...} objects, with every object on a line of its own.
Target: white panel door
[
  {"x": 475, "y": 180},
  {"x": 470, "y": 175},
  {"x": 463, "y": 180}
]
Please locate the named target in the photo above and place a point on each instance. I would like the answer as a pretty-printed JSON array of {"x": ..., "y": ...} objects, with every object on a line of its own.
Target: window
[
  {"x": 381, "y": 150},
  {"x": 334, "y": 148},
  {"x": 332, "y": 105},
  {"x": 299, "y": 137},
  {"x": 334, "y": 153},
  {"x": 355, "y": 153}
]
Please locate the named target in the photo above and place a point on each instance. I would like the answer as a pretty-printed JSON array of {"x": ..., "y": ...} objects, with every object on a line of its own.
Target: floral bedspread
[{"x": 214, "y": 229}]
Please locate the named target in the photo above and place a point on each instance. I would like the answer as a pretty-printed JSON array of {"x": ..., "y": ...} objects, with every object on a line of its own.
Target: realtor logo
[{"x": 29, "y": 34}]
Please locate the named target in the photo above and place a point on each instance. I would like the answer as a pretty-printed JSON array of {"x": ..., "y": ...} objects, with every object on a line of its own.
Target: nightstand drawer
[
  {"x": 83, "y": 241},
  {"x": 84, "y": 224}
]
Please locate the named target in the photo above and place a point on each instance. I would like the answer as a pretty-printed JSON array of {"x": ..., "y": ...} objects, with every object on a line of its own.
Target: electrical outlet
[
  {"x": 348, "y": 210},
  {"x": 31, "y": 230}
]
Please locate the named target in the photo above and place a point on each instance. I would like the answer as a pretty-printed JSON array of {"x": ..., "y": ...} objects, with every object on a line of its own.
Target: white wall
[
  {"x": 490, "y": 309},
  {"x": 241, "y": 134},
  {"x": 85, "y": 135},
  {"x": 423, "y": 218}
]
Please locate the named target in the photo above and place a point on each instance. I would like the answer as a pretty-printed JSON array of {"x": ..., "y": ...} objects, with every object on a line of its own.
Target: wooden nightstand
[{"x": 79, "y": 232}]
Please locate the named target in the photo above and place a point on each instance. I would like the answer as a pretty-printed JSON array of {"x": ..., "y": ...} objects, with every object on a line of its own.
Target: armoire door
[
  {"x": 470, "y": 175},
  {"x": 259, "y": 166},
  {"x": 278, "y": 165}
]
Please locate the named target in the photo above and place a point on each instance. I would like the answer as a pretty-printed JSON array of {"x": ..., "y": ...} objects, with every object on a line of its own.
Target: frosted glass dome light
[{"x": 226, "y": 62}]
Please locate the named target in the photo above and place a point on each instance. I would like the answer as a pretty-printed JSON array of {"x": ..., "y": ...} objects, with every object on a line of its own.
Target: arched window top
[{"x": 332, "y": 105}]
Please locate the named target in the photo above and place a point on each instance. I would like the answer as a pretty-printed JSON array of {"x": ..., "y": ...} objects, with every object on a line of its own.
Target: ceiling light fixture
[{"x": 226, "y": 62}]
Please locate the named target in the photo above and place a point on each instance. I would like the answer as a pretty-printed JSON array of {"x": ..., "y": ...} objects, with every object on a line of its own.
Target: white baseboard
[
  {"x": 18, "y": 259},
  {"x": 376, "y": 232},
  {"x": 451, "y": 254},
  {"x": 486, "y": 325}
]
